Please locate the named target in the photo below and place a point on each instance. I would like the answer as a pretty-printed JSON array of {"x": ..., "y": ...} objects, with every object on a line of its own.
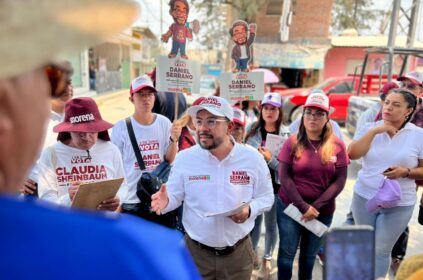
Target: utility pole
[
  {"x": 392, "y": 36},
  {"x": 411, "y": 36}
]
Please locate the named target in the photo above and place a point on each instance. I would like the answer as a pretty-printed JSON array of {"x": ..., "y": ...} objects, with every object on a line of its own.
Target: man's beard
[{"x": 215, "y": 143}]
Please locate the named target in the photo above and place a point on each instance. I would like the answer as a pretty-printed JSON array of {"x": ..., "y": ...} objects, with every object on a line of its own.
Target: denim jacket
[{"x": 255, "y": 141}]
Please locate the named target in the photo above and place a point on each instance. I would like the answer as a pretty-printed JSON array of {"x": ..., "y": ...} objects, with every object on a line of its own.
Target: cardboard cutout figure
[
  {"x": 243, "y": 36},
  {"x": 180, "y": 30}
]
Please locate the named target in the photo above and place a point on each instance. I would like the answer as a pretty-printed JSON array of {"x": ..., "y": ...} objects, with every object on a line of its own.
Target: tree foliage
[{"x": 358, "y": 14}]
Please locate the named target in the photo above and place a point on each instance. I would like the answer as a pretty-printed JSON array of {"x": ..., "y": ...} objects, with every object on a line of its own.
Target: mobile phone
[{"x": 350, "y": 253}]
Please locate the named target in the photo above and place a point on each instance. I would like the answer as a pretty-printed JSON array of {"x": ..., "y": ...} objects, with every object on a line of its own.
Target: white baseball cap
[
  {"x": 272, "y": 98},
  {"x": 319, "y": 99},
  {"x": 415, "y": 77},
  {"x": 239, "y": 116},
  {"x": 215, "y": 105},
  {"x": 141, "y": 82}
]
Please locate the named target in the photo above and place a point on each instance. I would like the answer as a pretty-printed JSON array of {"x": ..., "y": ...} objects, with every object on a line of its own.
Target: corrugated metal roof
[{"x": 370, "y": 41}]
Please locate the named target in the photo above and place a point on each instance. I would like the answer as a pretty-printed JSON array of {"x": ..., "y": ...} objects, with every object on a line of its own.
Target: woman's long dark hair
[
  {"x": 327, "y": 145},
  {"x": 409, "y": 98},
  {"x": 261, "y": 123}
]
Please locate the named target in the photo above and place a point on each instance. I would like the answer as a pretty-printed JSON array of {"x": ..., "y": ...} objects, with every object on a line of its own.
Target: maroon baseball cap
[
  {"x": 82, "y": 115},
  {"x": 387, "y": 87}
]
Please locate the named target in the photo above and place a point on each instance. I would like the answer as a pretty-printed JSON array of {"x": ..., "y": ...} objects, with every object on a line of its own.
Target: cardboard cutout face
[
  {"x": 240, "y": 34},
  {"x": 181, "y": 30},
  {"x": 243, "y": 35},
  {"x": 180, "y": 12}
]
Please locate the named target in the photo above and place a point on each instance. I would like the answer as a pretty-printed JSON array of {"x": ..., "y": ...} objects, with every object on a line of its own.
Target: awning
[{"x": 290, "y": 55}]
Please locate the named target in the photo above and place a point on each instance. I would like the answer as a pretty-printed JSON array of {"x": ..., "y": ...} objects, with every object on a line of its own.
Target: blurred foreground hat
[{"x": 37, "y": 32}]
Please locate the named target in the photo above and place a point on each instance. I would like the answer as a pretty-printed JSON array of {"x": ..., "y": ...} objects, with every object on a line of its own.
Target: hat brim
[
  {"x": 41, "y": 32},
  {"x": 141, "y": 88},
  {"x": 278, "y": 105},
  {"x": 414, "y": 81},
  {"x": 95, "y": 126},
  {"x": 193, "y": 110},
  {"x": 238, "y": 122},
  {"x": 318, "y": 106}
]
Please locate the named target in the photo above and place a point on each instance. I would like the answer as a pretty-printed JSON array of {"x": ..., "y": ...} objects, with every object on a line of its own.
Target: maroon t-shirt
[
  {"x": 179, "y": 32},
  {"x": 310, "y": 176}
]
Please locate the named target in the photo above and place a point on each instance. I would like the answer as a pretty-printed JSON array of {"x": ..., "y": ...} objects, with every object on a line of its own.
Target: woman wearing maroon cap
[
  {"x": 313, "y": 171},
  {"x": 82, "y": 154}
]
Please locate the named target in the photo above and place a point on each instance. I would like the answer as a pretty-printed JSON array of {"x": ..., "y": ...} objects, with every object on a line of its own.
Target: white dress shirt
[{"x": 207, "y": 185}]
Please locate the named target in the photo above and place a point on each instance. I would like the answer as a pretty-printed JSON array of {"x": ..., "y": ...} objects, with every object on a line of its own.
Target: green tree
[
  {"x": 358, "y": 14},
  {"x": 214, "y": 32}
]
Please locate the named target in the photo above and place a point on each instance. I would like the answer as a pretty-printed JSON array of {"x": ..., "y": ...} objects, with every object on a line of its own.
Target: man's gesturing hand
[{"x": 159, "y": 200}]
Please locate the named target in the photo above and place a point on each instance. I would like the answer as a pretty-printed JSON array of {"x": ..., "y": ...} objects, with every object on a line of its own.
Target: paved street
[{"x": 117, "y": 106}]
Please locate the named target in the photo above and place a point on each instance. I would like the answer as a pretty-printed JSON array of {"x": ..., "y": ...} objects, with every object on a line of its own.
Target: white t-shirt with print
[
  {"x": 50, "y": 138},
  {"x": 56, "y": 173},
  {"x": 404, "y": 149},
  {"x": 153, "y": 141}
]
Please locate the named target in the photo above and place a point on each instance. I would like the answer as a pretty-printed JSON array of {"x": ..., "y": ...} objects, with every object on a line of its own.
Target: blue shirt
[{"x": 43, "y": 241}]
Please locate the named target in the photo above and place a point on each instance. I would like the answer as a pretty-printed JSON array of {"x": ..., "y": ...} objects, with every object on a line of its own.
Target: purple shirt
[{"x": 310, "y": 176}]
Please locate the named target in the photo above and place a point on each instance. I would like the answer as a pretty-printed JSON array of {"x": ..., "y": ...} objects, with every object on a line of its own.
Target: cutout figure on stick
[
  {"x": 180, "y": 30},
  {"x": 243, "y": 35}
]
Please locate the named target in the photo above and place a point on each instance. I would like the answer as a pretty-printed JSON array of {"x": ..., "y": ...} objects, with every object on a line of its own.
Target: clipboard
[{"x": 90, "y": 195}]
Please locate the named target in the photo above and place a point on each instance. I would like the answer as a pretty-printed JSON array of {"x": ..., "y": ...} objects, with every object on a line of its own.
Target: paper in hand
[
  {"x": 228, "y": 212},
  {"x": 315, "y": 226},
  {"x": 274, "y": 143}
]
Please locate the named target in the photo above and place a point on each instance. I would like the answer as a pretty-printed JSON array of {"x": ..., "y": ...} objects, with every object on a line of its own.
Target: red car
[{"x": 338, "y": 89}]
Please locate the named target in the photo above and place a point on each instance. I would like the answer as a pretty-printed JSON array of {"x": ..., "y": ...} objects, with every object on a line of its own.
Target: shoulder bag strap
[{"x": 134, "y": 143}]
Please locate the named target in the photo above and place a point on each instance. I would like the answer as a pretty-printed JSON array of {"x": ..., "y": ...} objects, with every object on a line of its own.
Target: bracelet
[
  {"x": 249, "y": 212},
  {"x": 173, "y": 141}
]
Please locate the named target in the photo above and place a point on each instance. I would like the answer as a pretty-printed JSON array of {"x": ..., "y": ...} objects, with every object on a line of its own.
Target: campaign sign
[
  {"x": 242, "y": 86},
  {"x": 178, "y": 75}
]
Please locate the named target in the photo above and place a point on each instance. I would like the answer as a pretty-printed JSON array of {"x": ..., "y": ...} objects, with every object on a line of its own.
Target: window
[{"x": 343, "y": 87}]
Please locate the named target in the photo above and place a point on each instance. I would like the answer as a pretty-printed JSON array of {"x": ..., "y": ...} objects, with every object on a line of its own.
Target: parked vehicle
[
  {"x": 369, "y": 88},
  {"x": 338, "y": 89}
]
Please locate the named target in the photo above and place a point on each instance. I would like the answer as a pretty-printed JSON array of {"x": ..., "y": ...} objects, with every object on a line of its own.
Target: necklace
[{"x": 314, "y": 147}]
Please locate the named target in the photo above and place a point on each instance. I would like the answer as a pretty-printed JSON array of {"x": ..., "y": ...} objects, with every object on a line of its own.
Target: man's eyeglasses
[
  {"x": 209, "y": 123},
  {"x": 410, "y": 85},
  {"x": 317, "y": 115}
]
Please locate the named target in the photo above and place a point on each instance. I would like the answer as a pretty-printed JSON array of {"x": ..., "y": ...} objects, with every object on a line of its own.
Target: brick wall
[
  {"x": 310, "y": 23},
  {"x": 311, "y": 20}
]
